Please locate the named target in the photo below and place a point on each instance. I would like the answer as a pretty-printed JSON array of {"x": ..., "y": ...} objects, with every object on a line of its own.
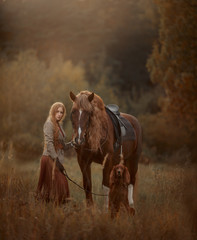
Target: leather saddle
[{"x": 122, "y": 127}]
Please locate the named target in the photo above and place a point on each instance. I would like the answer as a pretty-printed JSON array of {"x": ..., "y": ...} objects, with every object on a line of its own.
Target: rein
[{"x": 97, "y": 194}]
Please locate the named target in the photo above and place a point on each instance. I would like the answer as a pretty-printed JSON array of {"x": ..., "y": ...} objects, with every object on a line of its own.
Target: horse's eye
[{"x": 74, "y": 112}]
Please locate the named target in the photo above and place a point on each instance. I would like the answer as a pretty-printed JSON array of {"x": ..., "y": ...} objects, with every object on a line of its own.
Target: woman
[{"x": 52, "y": 184}]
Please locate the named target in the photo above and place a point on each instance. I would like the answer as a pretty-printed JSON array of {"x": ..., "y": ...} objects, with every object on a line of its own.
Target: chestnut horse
[{"x": 94, "y": 138}]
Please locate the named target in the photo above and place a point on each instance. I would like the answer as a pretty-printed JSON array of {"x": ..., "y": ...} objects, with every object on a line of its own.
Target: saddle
[{"x": 122, "y": 127}]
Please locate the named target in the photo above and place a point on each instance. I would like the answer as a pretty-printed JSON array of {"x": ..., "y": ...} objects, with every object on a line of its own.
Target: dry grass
[{"x": 166, "y": 206}]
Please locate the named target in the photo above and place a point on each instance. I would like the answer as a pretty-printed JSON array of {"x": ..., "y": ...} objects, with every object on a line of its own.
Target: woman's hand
[
  {"x": 73, "y": 144},
  {"x": 60, "y": 166}
]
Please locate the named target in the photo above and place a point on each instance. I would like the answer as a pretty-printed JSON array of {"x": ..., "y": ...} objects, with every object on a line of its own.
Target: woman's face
[{"x": 59, "y": 114}]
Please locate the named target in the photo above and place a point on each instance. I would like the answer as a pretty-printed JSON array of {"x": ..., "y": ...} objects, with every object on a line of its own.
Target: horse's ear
[
  {"x": 90, "y": 97},
  {"x": 72, "y": 96}
]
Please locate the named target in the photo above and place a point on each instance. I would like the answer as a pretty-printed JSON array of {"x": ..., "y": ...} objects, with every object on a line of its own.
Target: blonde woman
[{"x": 52, "y": 184}]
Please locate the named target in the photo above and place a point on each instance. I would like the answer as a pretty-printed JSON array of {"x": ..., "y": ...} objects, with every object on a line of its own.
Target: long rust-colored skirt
[{"x": 52, "y": 184}]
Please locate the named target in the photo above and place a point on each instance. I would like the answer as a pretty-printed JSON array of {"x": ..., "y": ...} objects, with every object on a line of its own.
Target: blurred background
[{"x": 141, "y": 55}]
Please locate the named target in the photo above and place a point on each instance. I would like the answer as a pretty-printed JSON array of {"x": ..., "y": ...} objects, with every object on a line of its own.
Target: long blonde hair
[{"x": 51, "y": 116}]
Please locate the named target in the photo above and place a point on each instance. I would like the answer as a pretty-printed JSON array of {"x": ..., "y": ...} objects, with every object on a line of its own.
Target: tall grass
[{"x": 165, "y": 207}]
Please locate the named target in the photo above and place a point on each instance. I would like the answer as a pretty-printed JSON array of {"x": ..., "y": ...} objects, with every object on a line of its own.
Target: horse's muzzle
[{"x": 79, "y": 141}]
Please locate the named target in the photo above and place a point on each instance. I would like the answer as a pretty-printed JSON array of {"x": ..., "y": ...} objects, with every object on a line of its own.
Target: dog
[{"x": 118, "y": 193}]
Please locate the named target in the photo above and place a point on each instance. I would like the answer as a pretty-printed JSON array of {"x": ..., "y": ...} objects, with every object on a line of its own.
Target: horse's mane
[{"x": 98, "y": 124}]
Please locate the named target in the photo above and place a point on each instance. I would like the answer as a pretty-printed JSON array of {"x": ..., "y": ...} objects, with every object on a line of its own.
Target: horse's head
[{"x": 81, "y": 115}]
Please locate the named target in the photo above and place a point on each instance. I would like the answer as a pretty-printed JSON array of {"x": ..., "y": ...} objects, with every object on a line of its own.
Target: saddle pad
[
  {"x": 123, "y": 129},
  {"x": 129, "y": 133}
]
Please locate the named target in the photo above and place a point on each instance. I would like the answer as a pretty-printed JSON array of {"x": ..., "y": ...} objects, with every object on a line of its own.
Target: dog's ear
[
  {"x": 112, "y": 177},
  {"x": 126, "y": 176}
]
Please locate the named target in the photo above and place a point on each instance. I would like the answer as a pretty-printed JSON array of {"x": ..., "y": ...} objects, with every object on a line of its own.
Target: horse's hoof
[
  {"x": 132, "y": 211},
  {"x": 89, "y": 204}
]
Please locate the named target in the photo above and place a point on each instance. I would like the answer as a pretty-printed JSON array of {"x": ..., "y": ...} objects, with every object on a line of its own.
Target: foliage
[
  {"x": 28, "y": 88},
  {"x": 82, "y": 31},
  {"x": 160, "y": 134},
  {"x": 145, "y": 104},
  {"x": 102, "y": 46},
  {"x": 173, "y": 63}
]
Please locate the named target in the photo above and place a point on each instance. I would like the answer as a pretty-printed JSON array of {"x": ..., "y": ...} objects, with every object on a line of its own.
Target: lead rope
[
  {"x": 97, "y": 194},
  {"x": 66, "y": 175}
]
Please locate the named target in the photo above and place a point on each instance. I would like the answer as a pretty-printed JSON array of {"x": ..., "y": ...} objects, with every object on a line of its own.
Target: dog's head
[{"x": 119, "y": 173}]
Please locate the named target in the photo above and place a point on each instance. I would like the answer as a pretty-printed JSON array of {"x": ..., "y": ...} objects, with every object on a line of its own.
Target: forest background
[{"x": 140, "y": 55}]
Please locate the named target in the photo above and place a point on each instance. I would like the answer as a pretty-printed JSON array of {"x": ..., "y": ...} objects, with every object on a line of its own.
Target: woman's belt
[{"x": 57, "y": 146}]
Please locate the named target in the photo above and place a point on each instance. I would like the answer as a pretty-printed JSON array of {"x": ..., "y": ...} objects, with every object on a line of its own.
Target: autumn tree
[
  {"x": 28, "y": 88},
  {"x": 173, "y": 63}
]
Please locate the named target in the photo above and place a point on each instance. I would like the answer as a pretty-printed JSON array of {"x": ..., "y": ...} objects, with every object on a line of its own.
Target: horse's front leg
[
  {"x": 87, "y": 183},
  {"x": 107, "y": 166}
]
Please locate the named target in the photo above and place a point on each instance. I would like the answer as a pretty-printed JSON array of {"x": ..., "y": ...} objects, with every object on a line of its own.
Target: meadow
[{"x": 165, "y": 208}]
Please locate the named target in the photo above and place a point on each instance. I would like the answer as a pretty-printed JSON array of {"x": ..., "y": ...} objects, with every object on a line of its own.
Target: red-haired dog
[{"x": 118, "y": 194}]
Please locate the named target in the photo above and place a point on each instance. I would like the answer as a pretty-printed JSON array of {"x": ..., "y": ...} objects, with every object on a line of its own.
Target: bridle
[{"x": 86, "y": 134}]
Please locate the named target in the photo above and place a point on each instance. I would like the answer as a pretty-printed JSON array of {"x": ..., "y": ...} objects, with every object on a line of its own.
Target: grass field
[{"x": 166, "y": 206}]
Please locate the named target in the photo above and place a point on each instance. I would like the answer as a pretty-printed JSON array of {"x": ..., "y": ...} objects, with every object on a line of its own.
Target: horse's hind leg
[
  {"x": 135, "y": 188},
  {"x": 130, "y": 210},
  {"x": 132, "y": 165},
  {"x": 130, "y": 195}
]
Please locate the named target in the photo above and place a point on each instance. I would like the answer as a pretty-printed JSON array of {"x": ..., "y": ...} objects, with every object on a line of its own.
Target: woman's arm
[
  {"x": 49, "y": 139},
  {"x": 67, "y": 146}
]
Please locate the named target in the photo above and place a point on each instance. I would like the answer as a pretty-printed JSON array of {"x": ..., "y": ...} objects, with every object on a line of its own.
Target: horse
[{"x": 94, "y": 139}]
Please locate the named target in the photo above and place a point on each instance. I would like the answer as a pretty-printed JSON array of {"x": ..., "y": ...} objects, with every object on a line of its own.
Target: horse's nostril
[
  {"x": 79, "y": 141},
  {"x": 76, "y": 140}
]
